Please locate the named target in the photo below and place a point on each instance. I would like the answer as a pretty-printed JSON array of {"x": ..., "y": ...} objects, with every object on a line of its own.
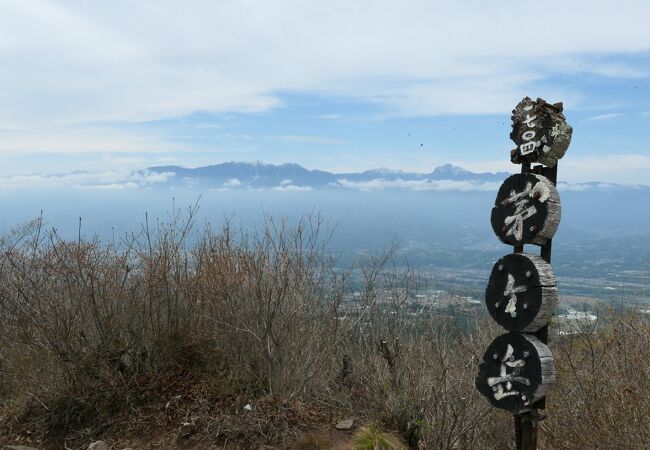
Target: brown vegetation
[{"x": 164, "y": 337}]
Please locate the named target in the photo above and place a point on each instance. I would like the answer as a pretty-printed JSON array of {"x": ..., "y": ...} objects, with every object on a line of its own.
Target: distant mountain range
[
  {"x": 294, "y": 176},
  {"x": 261, "y": 175}
]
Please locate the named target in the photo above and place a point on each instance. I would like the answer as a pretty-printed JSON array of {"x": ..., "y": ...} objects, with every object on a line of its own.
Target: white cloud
[
  {"x": 86, "y": 180},
  {"x": 603, "y": 117},
  {"x": 624, "y": 169},
  {"x": 307, "y": 139},
  {"x": 461, "y": 186},
  {"x": 329, "y": 116},
  {"x": 617, "y": 70},
  {"x": 233, "y": 182},
  {"x": 131, "y": 61},
  {"x": 417, "y": 185},
  {"x": 71, "y": 140},
  {"x": 108, "y": 187},
  {"x": 501, "y": 165},
  {"x": 292, "y": 188},
  {"x": 563, "y": 186}
]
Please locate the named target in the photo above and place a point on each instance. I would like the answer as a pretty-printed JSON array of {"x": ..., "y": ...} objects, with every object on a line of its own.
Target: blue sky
[{"x": 333, "y": 85}]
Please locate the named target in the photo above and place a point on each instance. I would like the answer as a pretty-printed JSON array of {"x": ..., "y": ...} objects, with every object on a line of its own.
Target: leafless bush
[
  {"x": 416, "y": 369},
  {"x": 265, "y": 307},
  {"x": 88, "y": 327},
  {"x": 602, "y": 398}
]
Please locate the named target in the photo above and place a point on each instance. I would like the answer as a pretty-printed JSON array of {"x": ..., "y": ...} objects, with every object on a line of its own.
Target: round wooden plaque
[
  {"x": 527, "y": 210},
  {"x": 521, "y": 294},
  {"x": 517, "y": 370},
  {"x": 540, "y": 131}
]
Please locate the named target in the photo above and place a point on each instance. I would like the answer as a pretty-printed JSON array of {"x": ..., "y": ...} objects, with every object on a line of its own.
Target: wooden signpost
[
  {"x": 527, "y": 210},
  {"x": 540, "y": 131},
  {"x": 518, "y": 368},
  {"x": 521, "y": 294}
]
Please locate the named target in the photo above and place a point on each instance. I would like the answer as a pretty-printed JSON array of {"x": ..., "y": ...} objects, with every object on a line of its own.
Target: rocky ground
[{"x": 183, "y": 414}]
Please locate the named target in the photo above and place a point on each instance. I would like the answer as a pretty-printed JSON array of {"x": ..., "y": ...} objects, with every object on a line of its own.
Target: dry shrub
[
  {"x": 90, "y": 328},
  {"x": 415, "y": 371},
  {"x": 600, "y": 400},
  {"x": 372, "y": 437},
  {"x": 272, "y": 301},
  {"x": 85, "y": 323},
  {"x": 603, "y": 394}
]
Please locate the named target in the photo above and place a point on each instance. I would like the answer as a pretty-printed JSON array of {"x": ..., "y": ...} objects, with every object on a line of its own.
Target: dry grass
[
  {"x": 373, "y": 437},
  {"x": 171, "y": 329}
]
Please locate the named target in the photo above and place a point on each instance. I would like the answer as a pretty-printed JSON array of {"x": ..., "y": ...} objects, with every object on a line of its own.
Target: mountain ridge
[{"x": 263, "y": 174}]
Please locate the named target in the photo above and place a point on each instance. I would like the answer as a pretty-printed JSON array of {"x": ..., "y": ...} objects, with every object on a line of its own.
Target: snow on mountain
[{"x": 266, "y": 175}]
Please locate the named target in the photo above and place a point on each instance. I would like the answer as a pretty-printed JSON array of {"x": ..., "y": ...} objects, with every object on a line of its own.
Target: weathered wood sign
[
  {"x": 540, "y": 131},
  {"x": 521, "y": 294},
  {"x": 517, "y": 370},
  {"x": 527, "y": 210}
]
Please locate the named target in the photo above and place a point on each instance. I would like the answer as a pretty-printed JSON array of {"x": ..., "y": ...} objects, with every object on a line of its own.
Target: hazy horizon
[{"x": 93, "y": 94}]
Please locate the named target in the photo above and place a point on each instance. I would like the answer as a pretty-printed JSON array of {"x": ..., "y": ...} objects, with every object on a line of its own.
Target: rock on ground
[
  {"x": 345, "y": 424},
  {"x": 98, "y": 445}
]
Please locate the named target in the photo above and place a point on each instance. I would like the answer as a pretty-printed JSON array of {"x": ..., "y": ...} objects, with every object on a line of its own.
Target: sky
[{"x": 332, "y": 85}]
